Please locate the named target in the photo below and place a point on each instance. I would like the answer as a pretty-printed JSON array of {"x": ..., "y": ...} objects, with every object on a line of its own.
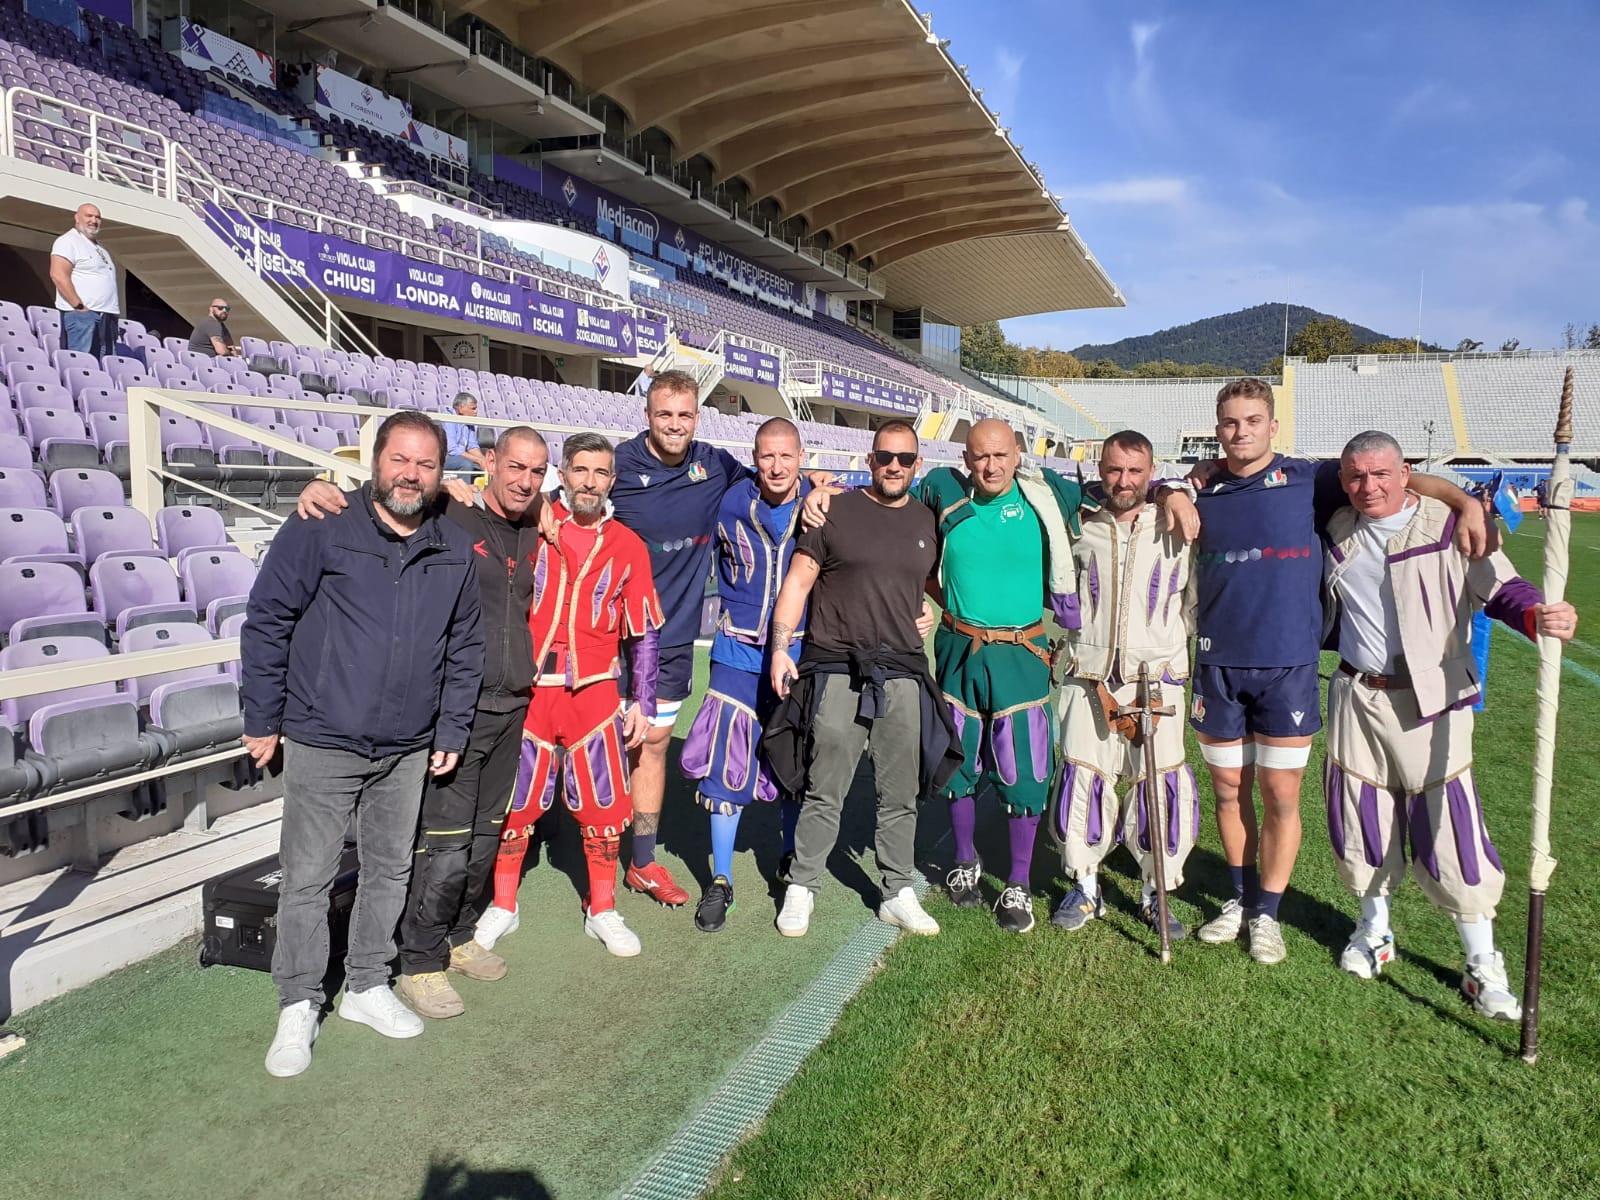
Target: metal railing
[
  {"x": 1456, "y": 356},
  {"x": 119, "y": 152}
]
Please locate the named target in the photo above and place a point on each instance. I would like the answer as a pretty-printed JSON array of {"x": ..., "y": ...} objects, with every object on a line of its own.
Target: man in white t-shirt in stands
[{"x": 86, "y": 285}]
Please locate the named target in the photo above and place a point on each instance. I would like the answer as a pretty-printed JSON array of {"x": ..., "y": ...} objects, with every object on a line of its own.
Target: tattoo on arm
[
  {"x": 647, "y": 824},
  {"x": 782, "y": 634}
]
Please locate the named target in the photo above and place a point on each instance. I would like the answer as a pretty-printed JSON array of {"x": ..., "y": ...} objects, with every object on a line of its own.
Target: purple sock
[
  {"x": 963, "y": 822},
  {"x": 1024, "y": 832},
  {"x": 1266, "y": 904}
]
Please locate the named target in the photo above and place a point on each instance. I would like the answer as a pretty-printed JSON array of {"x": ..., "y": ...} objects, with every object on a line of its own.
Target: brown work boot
[
  {"x": 475, "y": 962},
  {"x": 430, "y": 995}
]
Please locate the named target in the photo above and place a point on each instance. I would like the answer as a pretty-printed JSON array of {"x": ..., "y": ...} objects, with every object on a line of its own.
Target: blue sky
[{"x": 1217, "y": 155}]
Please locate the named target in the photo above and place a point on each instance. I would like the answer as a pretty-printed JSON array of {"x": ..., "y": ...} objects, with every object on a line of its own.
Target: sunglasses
[
  {"x": 906, "y": 458},
  {"x": 221, "y": 308}
]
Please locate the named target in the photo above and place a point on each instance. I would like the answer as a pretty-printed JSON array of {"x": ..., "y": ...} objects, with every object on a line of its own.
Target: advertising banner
[
  {"x": 205, "y": 50},
  {"x": 340, "y": 95},
  {"x": 425, "y": 139},
  {"x": 638, "y": 227},
  {"x": 752, "y": 366},
  {"x": 849, "y": 390},
  {"x": 344, "y": 268},
  {"x": 650, "y": 336}
]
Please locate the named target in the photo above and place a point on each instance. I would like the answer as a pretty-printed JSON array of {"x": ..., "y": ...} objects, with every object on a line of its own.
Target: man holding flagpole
[{"x": 1399, "y": 762}]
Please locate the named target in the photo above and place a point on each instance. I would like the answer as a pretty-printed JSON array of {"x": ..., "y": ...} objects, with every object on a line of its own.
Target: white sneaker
[
  {"x": 903, "y": 909},
  {"x": 795, "y": 918},
  {"x": 290, "y": 1052},
  {"x": 380, "y": 1009},
  {"x": 1266, "y": 940},
  {"x": 1484, "y": 983},
  {"x": 1225, "y": 926},
  {"x": 607, "y": 928},
  {"x": 495, "y": 924},
  {"x": 1366, "y": 956}
]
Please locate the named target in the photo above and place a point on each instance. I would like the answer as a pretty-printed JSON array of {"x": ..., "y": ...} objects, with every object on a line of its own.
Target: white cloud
[
  {"x": 1428, "y": 102},
  {"x": 1146, "y": 190},
  {"x": 1001, "y": 96}
]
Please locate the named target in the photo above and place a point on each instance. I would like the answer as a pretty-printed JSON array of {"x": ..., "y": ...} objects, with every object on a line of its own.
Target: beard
[
  {"x": 583, "y": 503},
  {"x": 404, "y": 502},
  {"x": 892, "y": 489},
  {"x": 1121, "y": 502}
]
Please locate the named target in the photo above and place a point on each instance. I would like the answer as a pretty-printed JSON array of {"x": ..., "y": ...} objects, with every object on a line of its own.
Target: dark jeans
[
  {"x": 92, "y": 332},
  {"x": 461, "y": 819},
  {"x": 322, "y": 789}
]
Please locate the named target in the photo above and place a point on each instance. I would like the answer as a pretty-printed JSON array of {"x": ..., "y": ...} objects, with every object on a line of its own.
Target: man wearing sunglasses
[
  {"x": 862, "y": 681},
  {"x": 211, "y": 335}
]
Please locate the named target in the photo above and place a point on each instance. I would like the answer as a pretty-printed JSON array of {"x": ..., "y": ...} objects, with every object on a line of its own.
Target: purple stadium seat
[
  {"x": 134, "y": 589},
  {"x": 102, "y": 399},
  {"x": 112, "y": 530},
  {"x": 21, "y": 488},
  {"x": 30, "y": 372},
  {"x": 41, "y": 395},
  {"x": 75, "y": 489},
  {"x": 217, "y": 583},
  {"x": 160, "y": 637},
  {"x": 80, "y": 379},
  {"x": 63, "y": 359},
  {"x": 181, "y": 527},
  {"x": 60, "y": 438},
  {"x": 15, "y": 452},
  {"x": 49, "y": 652},
  {"x": 127, "y": 372},
  {"x": 319, "y": 437},
  {"x": 31, "y": 531},
  {"x": 44, "y": 599}
]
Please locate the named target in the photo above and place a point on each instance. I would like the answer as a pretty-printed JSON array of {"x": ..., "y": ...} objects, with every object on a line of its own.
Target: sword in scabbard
[{"x": 1147, "y": 708}]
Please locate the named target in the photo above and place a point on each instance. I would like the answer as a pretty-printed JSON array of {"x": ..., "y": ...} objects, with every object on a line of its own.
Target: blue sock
[
  {"x": 1266, "y": 904},
  {"x": 789, "y": 810},
  {"x": 1251, "y": 897},
  {"x": 723, "y": 830},
  {"x": 644, "y": 849},
  {"x": 1237, "y": 875}
]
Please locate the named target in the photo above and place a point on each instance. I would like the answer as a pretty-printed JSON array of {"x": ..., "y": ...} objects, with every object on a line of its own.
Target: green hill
[{"x": 1246, "y": 340}]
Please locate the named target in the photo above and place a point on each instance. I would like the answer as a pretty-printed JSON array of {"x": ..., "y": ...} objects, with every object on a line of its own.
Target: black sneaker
[
  {"x": 1150, "y": 915},
  {"x": 1014, "y": 910},
  {"x": 715, "y": 904},
  {"x": 961, "y": 884}
]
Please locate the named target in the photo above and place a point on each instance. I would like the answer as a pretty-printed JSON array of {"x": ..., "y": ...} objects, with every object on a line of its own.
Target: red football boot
[{"x": 655, "y": 881}]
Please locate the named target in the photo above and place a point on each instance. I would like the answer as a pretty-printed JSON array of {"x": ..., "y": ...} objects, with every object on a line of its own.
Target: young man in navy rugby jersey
[{"x": 1254, "y": 705}]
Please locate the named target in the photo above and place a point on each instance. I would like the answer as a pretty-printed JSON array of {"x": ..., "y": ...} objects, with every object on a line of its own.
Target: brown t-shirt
[{"x": 874, "y": 562}]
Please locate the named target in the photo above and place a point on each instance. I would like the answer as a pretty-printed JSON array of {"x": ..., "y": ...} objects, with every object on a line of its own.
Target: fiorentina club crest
[
  {"x": 681, "y": 240},
  {"x": 570, "y": 191},
  {"x": 602, "y": 264},
  {"x": 627, "y": 334}
]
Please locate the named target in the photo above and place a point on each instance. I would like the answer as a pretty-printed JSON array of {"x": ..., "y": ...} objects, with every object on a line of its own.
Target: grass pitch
[{"x": 978, "y": 1064}]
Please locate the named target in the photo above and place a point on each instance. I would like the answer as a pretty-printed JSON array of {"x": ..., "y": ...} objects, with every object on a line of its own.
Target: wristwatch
[{"x": 78, "y": 307}]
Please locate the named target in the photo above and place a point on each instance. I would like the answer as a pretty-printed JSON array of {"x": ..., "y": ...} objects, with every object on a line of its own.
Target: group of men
[{"x": 513, "y": 651}]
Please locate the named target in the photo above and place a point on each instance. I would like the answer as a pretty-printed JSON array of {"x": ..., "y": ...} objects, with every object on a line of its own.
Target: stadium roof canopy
[{"x": 851, "y": 114}]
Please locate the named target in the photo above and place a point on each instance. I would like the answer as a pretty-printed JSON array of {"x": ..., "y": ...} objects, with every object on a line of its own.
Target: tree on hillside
[
  {"x": 1049, "y": 364},
  {"x": 1103, "y": 369},
  {"x": 1569, "y": 336},
  {"x": 1322, "y": 338},
  {"x": 1591, "y": 339},
  {"x": 985, "y": 348},
  {"x": 1391, "y": 346}
]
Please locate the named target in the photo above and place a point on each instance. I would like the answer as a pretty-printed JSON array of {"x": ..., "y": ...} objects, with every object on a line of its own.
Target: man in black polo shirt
[
  {"x": 211, "y": 335},
  {"x": 863, "y": 672}
]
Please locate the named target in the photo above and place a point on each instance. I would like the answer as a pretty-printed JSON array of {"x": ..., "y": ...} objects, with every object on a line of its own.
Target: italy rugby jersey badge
[
  {"x": 697, "y": 473},
  {"x": 1275, "y": 478}
]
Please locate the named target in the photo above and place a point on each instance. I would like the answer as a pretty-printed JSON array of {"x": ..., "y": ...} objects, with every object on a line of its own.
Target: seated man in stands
[
  {"x": 211, "y": 335},
  {"x": 462, "y": 452}
]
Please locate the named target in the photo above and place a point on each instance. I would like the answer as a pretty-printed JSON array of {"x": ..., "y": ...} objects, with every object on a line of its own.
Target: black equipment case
[{"x": 240, "y": 914}]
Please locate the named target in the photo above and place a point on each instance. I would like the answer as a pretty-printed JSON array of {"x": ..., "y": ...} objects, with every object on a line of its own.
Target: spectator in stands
[
  {"x": 462, "y": 452},
  {"x": 360, "y": 724},
  {"x": 211, "y": 336},
  {"x": 85, "y": 279},
  {"x": 462, "y": 812},
  {"x": 862, "y": 681},
  {"x": 641, "y": 385}
]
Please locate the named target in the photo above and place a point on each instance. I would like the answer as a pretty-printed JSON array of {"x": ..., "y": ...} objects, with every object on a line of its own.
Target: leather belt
[
  {"x": 1378, "y": 683},
  {"x": 983, "y": 635}
]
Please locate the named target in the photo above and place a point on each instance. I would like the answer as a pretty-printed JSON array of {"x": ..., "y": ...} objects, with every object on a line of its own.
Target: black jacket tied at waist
[{"x": 786, "y": 736}]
